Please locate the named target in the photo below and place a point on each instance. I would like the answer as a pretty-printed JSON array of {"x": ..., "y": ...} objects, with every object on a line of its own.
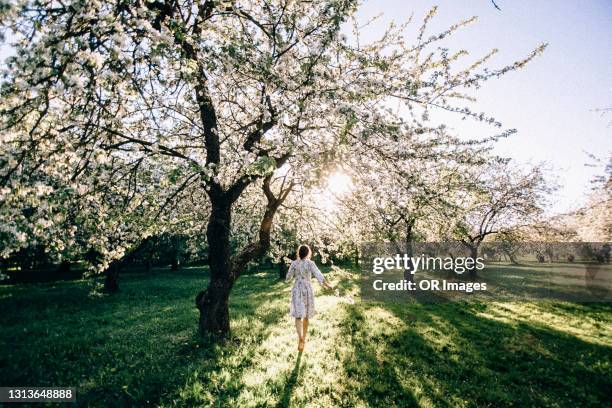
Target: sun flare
[
  {"x": 337, "y": 186},
  {"x": 339, "y": 183}
]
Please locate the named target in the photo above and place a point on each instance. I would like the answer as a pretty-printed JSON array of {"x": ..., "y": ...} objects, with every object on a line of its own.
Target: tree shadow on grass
[
  {"x": 136, "y": 348},
  {"x": 371, "y": 377},
  {"x": 290, "y": 383},
  {"x": 451, "y": 355},
  {"x": 529, "y": 362}
]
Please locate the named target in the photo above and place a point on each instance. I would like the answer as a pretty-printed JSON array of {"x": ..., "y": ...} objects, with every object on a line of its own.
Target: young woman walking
[{"x": 302, "y": 295}]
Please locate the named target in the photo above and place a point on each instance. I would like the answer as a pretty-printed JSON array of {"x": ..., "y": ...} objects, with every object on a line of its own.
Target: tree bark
[
  {"x": 213, "y": 302},
  {"x": 111, "y": 279},
  {"x": 473, "y": 254},
  {"x": 511, "y": 257},
  {"x": 63, "y": 268},
  {"x": 408, "y": 273},
  {"x": 282, "y": 269}
]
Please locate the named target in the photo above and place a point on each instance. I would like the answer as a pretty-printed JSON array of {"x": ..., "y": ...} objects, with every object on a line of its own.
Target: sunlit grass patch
[{"x": 589, "y": 322}]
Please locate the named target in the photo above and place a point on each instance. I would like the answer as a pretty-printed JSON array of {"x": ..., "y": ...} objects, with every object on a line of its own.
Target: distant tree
[
  {"x": 407, "y": 198},
  {"x": 594, "y": 221},
  {"x": 501, "y": 199}
]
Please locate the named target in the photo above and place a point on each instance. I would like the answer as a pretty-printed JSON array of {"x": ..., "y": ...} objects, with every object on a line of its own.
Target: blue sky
[{"x": 551, "y": 101}]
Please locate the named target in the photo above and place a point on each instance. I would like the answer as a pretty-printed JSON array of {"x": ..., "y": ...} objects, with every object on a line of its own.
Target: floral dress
[{"x": 302, "y": 295}]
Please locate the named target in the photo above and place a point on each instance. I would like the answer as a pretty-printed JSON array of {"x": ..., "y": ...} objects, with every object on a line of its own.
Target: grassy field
[{"x": 140, "y": 348}]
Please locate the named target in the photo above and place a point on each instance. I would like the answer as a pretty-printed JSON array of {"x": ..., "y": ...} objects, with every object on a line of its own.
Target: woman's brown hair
[{"x": 303, "y": 252}]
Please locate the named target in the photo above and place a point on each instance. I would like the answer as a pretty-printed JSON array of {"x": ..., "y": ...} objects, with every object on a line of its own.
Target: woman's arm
[
  {"x": 319, "y": 276},
  {"x": 290, "y": 272},
  {"x": 327, "y": 285}
]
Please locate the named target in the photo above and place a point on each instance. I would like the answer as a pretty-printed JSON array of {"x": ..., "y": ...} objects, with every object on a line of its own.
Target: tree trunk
[
  {"x": 111, "y": 280},
  {"x": 213, "y": 302},
  {"x": 473, "y": 255},
  {"x": 282, "y": 269},
  {"x": 224, "y": 270},
  {"x": 5, "y": 265},
  {"x": 64, "y": 268},
  {"x": 408, "y": 273}
]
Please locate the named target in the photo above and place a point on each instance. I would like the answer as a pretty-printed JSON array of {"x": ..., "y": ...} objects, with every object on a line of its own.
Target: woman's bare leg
[
  {"x": 298, "y": 327},
  {"x": 304, "y": 328}
]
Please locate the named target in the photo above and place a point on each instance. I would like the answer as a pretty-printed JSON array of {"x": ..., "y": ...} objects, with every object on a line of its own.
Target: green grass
[{"x": 140, "y": 348}]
